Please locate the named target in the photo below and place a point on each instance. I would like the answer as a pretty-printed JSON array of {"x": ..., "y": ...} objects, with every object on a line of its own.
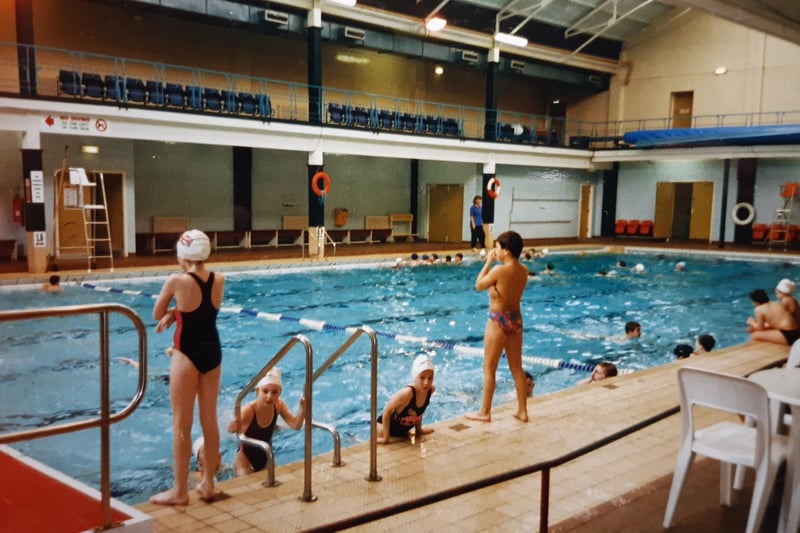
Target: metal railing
[
  {"x": 373, "y": 402},
  {"x": 106, "y": 418}
]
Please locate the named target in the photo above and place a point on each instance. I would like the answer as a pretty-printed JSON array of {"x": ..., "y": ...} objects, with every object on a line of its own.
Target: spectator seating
[
  {"x": 247, "y": 103},
  {"x": 360, "y": 117},
  {"x": 136, "y": 90},
  {"x": 93, "y": 86},
  {"x": 194, "y": 97},
  {"x": 115, "y": 88},
  {"x": 229, "y": 102},
  {"x": 632, "y": 228},
  {"x": 264, "y": 105},
  {"x": 646, "y": 228},
  {"x": 759, "y": 232},
  {"x": 212, "y": 99},
  {"x": 155, "y": 92},
  {"x": 174, "y": 95},
  {"x": 335, "y": 113},
  {"x": 620, "y": 227},
  {"x": 69, "y": 82}
]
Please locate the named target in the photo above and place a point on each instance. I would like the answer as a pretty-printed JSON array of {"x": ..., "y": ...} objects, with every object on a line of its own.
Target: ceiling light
[
  {"x": 719, "y": 71},
  {"x": 513, "y": 40},
  {"x": 90, "y": 149},
  {"x": 435, "y": 24},
  {"x": 348, "y": 3},
  {"x": 438, "y": 70}
]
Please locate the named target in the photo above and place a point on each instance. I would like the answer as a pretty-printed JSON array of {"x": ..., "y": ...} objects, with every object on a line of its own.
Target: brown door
[
  {"x": 116, "y": 212},
  {"x": 682, "y": 109},
  {"x": 445, "y": 213},
  {"x": 665, "y": 205},
  {"x": 586, "y": 211},
  {"x": 682, "y": 213},
  {"x": 702, "y": 200}
]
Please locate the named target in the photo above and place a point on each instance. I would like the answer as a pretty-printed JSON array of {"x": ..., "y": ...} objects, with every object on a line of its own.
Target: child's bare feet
[
  {"x": 168, "y": 497},
  {"x": 480, "y": 417},
  {"x": 206, "y": 493},
  {"x": 522, "y": 417}
]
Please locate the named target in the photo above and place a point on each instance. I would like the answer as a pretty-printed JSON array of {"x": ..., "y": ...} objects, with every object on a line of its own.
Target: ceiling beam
[{"x": 779, "y": 18}]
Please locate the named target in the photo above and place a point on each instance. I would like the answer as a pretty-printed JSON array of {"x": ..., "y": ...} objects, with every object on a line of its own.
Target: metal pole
[{"x": 105, "y": 437}]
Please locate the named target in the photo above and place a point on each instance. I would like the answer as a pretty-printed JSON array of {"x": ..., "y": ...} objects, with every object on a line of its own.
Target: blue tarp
[{"x": 736, "y": 135}]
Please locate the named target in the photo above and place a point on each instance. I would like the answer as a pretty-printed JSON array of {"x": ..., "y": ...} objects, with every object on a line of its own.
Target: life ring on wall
[
  {"x": 493, "y": 188},
  {"x": 326, "y": 184},
  {"x": 743, "y": 221}
]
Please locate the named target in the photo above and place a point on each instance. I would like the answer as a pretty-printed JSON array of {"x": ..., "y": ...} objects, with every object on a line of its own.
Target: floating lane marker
[{"x": 319, "y": 325}]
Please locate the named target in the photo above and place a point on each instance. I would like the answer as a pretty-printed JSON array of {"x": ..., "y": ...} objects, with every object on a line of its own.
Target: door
[
  {"x": 702, "y": 201},
  {"x": 445, "y": 213},
  {"x": 584, "y": 226},
  {"x": 682, "y": 103},
  {"x": 682, "y": 214},
  {"x": 116, "y": 211},
  {"x": 665, "y": 205}
]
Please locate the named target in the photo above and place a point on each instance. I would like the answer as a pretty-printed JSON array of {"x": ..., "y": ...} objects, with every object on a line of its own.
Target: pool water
[{"x": 49, "y": 368}]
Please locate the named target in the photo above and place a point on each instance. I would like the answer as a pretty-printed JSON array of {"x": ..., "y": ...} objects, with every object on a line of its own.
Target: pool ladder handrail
[
  {"x": 373, "y": 442},
  {"x": 308, "y": 410},
  {"x": 106, "y": 418}
]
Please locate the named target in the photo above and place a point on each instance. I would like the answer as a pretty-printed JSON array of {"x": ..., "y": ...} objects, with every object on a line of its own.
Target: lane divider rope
[{"x": 319, "y": 325}]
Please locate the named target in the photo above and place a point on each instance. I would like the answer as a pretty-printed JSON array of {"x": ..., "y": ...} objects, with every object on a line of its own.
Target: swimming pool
[{"x": 48, "y": 370}]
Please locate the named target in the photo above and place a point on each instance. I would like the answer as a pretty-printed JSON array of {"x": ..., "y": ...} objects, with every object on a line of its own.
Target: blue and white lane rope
[{"x": 319, "y": 325}]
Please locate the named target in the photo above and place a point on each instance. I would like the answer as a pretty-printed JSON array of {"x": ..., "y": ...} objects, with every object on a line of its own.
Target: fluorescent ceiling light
[
  {"x": 720, "y": 71},
  {"x": 90, "y": 149},
  {"x": 513, "y": 40},
  {"x": 348, "y": 3},
  {"x": 435, "y": 24}
]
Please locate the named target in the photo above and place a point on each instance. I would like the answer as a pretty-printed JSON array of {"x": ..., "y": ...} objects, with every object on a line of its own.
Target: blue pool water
[{"x": 49, "y": 369}]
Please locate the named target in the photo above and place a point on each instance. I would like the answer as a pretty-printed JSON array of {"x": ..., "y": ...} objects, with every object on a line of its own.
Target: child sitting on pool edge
[
  {"x": 259, "y": 419},
  {"x": 405, "y": 409}
]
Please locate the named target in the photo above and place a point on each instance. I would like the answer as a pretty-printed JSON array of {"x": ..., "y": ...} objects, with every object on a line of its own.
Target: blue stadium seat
[
  {"x": 115, "y": 88},
  {"x": 194, "y": 97},
  {"x": 451, "y": 127},
  {"x": 385, "y": 119},
  {"x": 174, "y": 95},
  {"x": 213, "y": 99},
  {"x": 136, "y": 90},
  {"x": 264, "y": 105},
  {"x": 69, "y": 82},
  {"x": 93, "y": 86},
  {"x": 229, "y": 102},
  {"x": 335, "y": 113},
  {"x": 155, "y": 92},
  {"x": 432, "y": 124},
  {"x": 247, "y": 103},
  {"x": 360, "y": 117},
  {"x": 506, "y": 132}
]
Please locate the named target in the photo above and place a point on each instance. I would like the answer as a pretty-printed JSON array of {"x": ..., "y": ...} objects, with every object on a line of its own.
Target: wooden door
[
  {"x": 445, "y": 213},
  {"x": 586, "y": 212},
  {"x": 682, "y": 103},
  {"x": 116, "y": 210},
  {"x": 665, "y": 206},
  {"x": 702, "y": 201},
  {"x": 682, "y": 213}
]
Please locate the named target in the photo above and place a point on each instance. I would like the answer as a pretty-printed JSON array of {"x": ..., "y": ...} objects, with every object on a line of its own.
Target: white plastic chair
[
  {"x": 794, "y": 356},
  {"x": 730, "y": 442}
]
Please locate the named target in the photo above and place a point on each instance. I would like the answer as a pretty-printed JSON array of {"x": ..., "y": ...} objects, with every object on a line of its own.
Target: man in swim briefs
[
  {"x": 505, "y": 284},
  {"x": 772, "y": 322}
]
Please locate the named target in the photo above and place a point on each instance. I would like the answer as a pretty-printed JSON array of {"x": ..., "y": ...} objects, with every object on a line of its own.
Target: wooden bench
[
  {"x": 166, "y": 232},
  {"x": 259, "y": 238},
  {"x": 229, "y": 239}
]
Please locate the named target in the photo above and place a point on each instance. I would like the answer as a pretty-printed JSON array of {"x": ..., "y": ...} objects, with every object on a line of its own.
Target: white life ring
[{"x": 751, "y": 214}]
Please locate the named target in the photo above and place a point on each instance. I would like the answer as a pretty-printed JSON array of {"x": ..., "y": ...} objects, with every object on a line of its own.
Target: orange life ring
[
  {"x": 493, "y": 188},
  {"x": 326, "y": 180}
]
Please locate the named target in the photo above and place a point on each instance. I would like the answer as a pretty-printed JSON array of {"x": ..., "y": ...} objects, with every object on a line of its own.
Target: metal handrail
[
  {"x": 373, "y": 402},
  {"x": 308, "y": 410},
  {"x": 106, "y": 418}
]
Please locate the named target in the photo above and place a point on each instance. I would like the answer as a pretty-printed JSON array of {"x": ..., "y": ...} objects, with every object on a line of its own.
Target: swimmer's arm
[
  {"x": 418, "y": 429},
  {"x": 161, "y": 311},
  {"x": 241, "y": 425},
  {"x": 487, "y": 277},
  {"x": 294, "y": 421}
]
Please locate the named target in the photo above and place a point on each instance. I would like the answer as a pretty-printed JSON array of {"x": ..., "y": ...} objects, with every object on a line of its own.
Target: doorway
[
  {"x": 683, "y": 210},
  {"x": 445, "y": 213},
  {"x": 681, "y": 104}
]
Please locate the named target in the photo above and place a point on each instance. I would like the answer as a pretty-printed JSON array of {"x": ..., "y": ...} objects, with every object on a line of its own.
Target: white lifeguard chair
[{"x": 86, "y": 194}]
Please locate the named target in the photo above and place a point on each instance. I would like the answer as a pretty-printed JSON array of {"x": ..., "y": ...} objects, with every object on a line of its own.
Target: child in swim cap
[{"x": 405, "y": 409}]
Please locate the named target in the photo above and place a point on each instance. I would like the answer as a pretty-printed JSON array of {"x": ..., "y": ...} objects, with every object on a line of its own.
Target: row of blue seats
[
  {"x": 158, "y": 93},
  {"x": 392, "y": 120}
]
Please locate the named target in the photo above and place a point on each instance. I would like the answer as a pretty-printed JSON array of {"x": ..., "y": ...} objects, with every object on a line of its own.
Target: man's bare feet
[
  {"x": 480, "y": 417},
  {"x": 522, "y": 417},
  {"x": 168, "y": 497},
  {"x": 206, "y": 493}
]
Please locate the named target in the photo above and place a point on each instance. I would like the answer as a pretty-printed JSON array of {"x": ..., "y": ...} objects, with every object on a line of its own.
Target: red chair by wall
[
  {"x": 793, "y": 233},
  {"x": 759, "y": 232},
  {"x": 619, "y": 228},
  {"x": 632, "y": 228},
  {"x": 646, "y": 228}
]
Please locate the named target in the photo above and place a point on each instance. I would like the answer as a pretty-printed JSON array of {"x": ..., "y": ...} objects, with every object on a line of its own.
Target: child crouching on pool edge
[
  {"x": 258, "y": 420},
  {"x": 405, "y": 409}
]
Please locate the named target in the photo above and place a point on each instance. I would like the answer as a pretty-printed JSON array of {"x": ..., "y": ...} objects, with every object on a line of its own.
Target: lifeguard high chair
[{"x": 779, "y": 229}]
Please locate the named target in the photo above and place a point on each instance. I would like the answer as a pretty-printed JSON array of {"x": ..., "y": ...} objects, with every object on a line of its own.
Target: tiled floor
[{"x": 621, "y": 487}]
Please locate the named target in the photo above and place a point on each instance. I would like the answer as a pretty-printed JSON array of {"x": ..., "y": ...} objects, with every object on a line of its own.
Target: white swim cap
[
  {"x": 273, "y": 377},
  {"x": 639, "y": 267},
  {"x": 198, "y": 444},
  {"x": 421, "y": 364},
  {"x": 546, "y": 251},
  {"x": 786, "y": 286},
  {"x": 194, "y": 245}
]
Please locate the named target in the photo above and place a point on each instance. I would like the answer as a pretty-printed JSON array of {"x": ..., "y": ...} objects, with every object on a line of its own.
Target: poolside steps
[
  {"x": 462, "y": 451},
  {"x": 35, "y": 497}
]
